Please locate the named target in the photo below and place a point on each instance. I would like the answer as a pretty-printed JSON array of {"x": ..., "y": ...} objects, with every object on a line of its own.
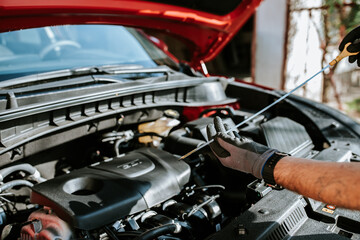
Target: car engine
[
  {"x": 89, "y": 197},
  {"x": 130, "y": 184}
]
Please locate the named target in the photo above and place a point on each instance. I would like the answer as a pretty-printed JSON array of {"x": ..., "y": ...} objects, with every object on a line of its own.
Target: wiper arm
[
  {"x": 77, "y": 72},
  {"x": 107, "y": 69},
  {"x": 116, "y": 71}
]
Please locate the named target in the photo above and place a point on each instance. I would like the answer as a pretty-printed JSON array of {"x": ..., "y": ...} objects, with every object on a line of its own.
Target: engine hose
[
  {"x": 158, "y": 231},
  {"x": 20, "y": 167},
  {"x": 127, "y": 235},
  {"x": 110, "y": 233},
  {"x": 14, "y": 183},
  {"x": 179, "y": 138}
]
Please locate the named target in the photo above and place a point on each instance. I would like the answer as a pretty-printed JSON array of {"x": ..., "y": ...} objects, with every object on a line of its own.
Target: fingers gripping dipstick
[
  {"x": 345, "y": 53},
  {"x": 342, "y": 55}
]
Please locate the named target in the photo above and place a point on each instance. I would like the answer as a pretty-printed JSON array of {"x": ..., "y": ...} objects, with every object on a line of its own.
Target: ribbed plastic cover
[{"x": 287, "y": 136}]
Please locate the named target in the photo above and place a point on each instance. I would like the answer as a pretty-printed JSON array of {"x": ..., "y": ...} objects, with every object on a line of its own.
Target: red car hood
[{"x": 204, "y": 32}]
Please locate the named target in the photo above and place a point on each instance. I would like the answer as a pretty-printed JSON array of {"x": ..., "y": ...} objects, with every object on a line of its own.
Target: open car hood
[{"x": 205, "y": 28}]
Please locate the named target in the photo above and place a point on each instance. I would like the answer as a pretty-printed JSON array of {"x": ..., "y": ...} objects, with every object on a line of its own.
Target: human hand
[
  {"x": 351, "y": 37},
  {"x": 237, "y": 153}
]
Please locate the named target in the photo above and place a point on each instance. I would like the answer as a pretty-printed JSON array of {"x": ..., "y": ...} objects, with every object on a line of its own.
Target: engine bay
[
  {"x": 128, "y": 183},
  {"x": 97, "y": 181}
]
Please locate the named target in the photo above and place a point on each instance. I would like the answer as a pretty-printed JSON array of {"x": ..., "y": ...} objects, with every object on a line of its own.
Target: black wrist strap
[{"x": 268, "y": 170}]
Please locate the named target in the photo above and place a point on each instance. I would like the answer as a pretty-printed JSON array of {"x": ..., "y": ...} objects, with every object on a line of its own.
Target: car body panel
[
  {"x": 205, "y": 33},
  {"x": 77, "y": 131}
]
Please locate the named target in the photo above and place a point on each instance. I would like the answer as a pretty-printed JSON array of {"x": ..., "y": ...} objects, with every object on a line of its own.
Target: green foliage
[
  {"x": 353, "y": 18},
  {"x": 349, "y": 13},
  {"x": 354, "y": 105},
  {"x": 333, "y": 4}
]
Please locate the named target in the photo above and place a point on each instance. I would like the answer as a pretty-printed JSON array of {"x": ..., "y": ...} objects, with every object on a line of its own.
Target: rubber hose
[
  {"x": 14, "y": 183},
  {"x": 178, "y": 138},
  {"x": 127, "y": 235},
  {"x": 20, "y": 167},
  {"x": 157, "y": 231},
  {"x": 110, "y": 233}
]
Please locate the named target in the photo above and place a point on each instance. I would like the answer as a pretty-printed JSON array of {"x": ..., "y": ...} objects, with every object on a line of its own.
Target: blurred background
[{"x": 286, "y": 42}]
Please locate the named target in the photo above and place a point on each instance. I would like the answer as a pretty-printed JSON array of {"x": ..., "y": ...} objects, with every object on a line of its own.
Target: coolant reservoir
[{"x": 161, "y": 126}]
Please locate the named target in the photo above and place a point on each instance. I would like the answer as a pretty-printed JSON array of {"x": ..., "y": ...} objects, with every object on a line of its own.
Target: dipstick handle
[{"x": 345, "y": 53}]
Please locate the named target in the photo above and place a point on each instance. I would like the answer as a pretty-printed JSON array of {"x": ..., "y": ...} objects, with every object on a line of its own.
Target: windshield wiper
[{"x": 47, "y": 77}]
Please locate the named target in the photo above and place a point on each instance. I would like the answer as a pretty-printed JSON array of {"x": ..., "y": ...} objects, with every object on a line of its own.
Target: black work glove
[
  {"x": 354, "y": 47},
  {"x": 237, "y": 153}
]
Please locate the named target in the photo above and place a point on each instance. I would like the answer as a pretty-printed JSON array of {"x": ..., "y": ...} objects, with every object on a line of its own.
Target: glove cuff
[{"x": 260, "y": 163}]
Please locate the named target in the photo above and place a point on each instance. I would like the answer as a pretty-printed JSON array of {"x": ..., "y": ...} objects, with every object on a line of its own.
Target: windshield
[{"x": 38, "y": 50}]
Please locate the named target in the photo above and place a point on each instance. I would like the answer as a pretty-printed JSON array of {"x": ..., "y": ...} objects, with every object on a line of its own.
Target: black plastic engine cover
[{"x": 94, "y": 196}]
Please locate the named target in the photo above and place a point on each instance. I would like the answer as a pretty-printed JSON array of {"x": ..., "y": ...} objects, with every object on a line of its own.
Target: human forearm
[{"x": 333, "y": 183}]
